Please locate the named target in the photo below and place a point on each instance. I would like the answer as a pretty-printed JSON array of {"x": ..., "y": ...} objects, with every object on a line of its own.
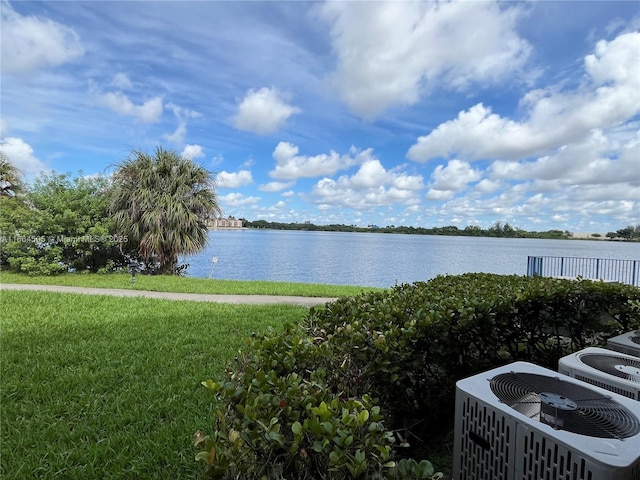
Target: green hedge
[
  {"x": 410, "y": 345},
  {"x": 382, "y": 366}
]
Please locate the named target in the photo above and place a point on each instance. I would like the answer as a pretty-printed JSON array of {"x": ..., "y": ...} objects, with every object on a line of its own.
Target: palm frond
[{"x": 161, "y": 202}]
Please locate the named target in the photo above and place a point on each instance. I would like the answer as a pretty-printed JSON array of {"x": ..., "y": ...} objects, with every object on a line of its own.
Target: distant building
[{"x": 230, "y": 222}]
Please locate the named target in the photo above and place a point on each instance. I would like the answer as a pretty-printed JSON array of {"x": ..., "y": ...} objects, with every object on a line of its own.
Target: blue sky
[{"x": 404, "y": 113}]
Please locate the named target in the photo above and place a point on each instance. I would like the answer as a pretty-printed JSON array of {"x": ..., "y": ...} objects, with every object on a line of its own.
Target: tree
[
  {"x": 508, "y": 230},
  {"x": 10, "y": 177},
  {"x": 473, "y": 231},
  {"x": 74, "y": 216},
  {"x": 59, "y": 224},
  {"x": 495, "y": 230},
  {"x": 161, "y": 203},
  {"x": 629, "y": 233}
]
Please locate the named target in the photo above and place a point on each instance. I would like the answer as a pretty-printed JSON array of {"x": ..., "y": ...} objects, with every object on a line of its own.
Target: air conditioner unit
[
  {"x": 525, "y": 422},
  {"x": 628, "y": 343},
  {"x": 610, "y": 370}
]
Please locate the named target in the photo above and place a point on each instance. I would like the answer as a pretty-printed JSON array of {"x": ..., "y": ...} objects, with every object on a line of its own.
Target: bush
[
  {"x": 277, "y": 417},
  {"x": 408, "y": 346},
  {"x": 405, "y": 348},
  {"x": 59, "y": 224}
]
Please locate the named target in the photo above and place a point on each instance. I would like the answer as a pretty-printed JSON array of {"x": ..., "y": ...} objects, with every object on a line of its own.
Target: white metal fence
[{"x": 606, "y": 269}]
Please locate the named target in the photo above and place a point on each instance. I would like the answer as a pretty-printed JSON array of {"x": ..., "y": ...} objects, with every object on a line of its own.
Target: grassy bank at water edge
[{"x": 168, "y": 283}]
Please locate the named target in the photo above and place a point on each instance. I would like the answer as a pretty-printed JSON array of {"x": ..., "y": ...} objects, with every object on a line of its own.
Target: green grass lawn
[
  {"x": 103, "y": 387},
  {"x": 167, "y": 283}
]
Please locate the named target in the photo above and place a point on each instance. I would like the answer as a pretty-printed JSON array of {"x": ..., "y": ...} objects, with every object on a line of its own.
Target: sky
[{"x": 422, "y": 114}]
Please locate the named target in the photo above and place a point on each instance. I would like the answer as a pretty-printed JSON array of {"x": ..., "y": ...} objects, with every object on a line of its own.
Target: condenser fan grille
[
  {"x": 622, "y": 367},
  {"x": 636, "y": 338},
  {"x": 565, "y": 405}
]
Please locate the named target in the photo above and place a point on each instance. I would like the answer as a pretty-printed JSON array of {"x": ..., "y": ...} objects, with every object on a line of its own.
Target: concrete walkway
[{"x": 191, "y": 297}]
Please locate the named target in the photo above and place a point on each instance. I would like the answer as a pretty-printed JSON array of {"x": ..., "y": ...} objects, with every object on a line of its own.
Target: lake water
[{"x": 377, "y": 259}]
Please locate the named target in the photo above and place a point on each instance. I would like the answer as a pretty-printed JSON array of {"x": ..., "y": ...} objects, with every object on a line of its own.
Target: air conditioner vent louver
[
  {"x": 525, "y": 422},
  {"x": 628, "y": 343},
  {"x": 616, "y": 365},
  {"x": 565, "y": 406},
  {"x": 614, "y": 371}
]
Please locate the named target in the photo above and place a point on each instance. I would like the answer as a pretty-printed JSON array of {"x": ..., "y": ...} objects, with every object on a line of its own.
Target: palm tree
[
  {"x": 10, "y": 177},
  {"x": 161, "y": 203}
]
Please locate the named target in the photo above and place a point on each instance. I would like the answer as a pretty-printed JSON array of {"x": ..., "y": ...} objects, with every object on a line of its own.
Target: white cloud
[
  {"x": 278, "y": 206},
  {"x": 404, "y": 181},
  {"x": 21, "y": 155},
  {"x": 275, "y": 187},
  {"x": 263, "y": 111},
  {"x": 506, "y": 206},
  {"x": 149, "y": 112},
  {"x": 370, "y": 174},
  {"x": 331, "y": 192},
  {"x": 291, "y": 166},
  {"x": 371, "y": 186},
  {"x": 390, "y": 53},
  {"x": 373, "y": 174},
  {"x": 451, "y": 179},
  {"x": 597, "y": 160},
  {"x": 487, "y": 186},
  {"x": 181, "y": 114},
  {"x": 622, "y": 192},
  {"x": 217, "y": 160},
  {"x": 615, "y": 61},
  {"x": 192, "y": 152},
  {"x": 234, "y": 179},
  {"x": 611, "y": 97},
  {"x": 619, "y": 210},
  {"x": 121, "y": 81},
  {"x": 30, "y": 42},
  {"x": 237, "y": 200},
  {"x": 525, "y": 203},
  {"x": 454, "y": 177},
  {"x": 433, "y": 194},
  {"x": 179, "y": 134}
]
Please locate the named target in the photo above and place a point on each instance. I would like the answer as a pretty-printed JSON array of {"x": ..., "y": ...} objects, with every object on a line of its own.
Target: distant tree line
[
  {"x": 628, "y": 233},
  {"x": 151, "y": 210},
  {"x": 498, "y": 229}
]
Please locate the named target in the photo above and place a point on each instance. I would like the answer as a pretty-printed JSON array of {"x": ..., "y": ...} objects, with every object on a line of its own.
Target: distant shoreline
[{"x": 506, "y": 232}]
